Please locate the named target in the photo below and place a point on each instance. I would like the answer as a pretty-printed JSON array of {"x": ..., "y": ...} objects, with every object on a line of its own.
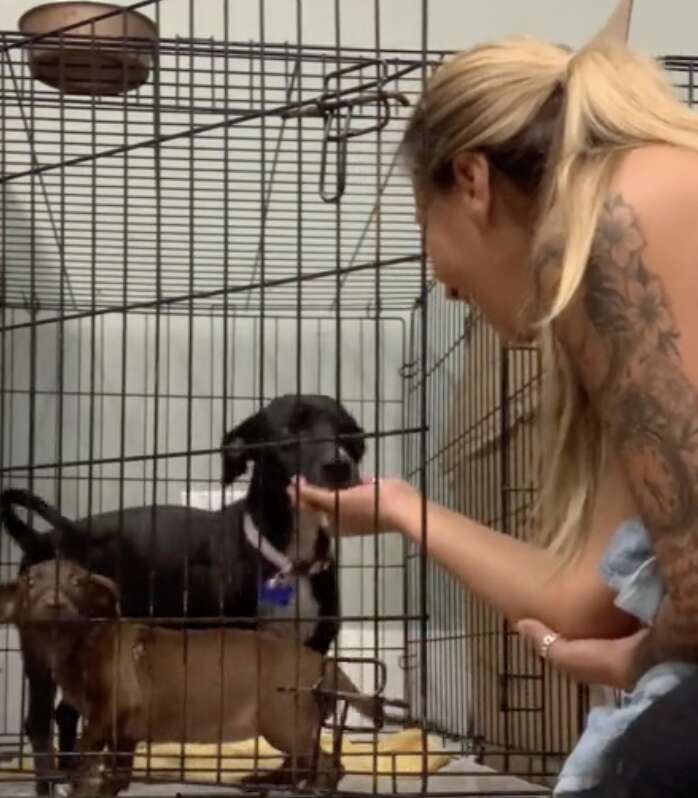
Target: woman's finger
[{"x": 310, "y": 494}]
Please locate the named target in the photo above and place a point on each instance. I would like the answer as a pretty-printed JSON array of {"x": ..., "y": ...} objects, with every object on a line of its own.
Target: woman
[{"x": 558, "y": 192}]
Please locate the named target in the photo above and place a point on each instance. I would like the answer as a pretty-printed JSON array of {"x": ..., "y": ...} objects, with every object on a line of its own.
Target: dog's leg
[
  {"x": 304, "y": 761},
  {"x": 283, "y": 776},
  {"x": 67, "y": 721},
  {"x": 327, "y": 773},
  {"x": 42, "y": 695},
  {"x": 88, "y": 778},
  {"x": 120, "y": 762}
]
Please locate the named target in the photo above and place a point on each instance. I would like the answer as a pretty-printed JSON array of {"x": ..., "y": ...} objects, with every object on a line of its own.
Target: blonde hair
[{"x": 557, "y": 123}]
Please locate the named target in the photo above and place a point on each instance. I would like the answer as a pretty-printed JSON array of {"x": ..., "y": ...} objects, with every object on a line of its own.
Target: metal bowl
[{"x": 106, "y": 57}]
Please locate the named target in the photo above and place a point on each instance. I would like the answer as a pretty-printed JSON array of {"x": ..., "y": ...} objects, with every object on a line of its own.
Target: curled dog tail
[
  {"x": 370, "y": 706},
  {"x": 34, "y": 544}
]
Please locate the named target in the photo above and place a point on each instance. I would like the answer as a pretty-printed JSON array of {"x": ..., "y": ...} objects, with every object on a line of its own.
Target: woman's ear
[{"x": 472, "y": 179}]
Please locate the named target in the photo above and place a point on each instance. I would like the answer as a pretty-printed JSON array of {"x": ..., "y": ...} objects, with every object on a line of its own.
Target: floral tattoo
[{"x": 650, "y": 408}]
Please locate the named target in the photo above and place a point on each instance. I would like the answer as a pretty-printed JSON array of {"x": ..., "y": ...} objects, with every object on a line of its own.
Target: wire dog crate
[{"x": 238, "y": 227}]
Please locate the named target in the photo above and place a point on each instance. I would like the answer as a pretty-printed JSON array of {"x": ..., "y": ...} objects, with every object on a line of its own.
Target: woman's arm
[
  {"x": 523, "y": 580},
  {"x": 518, "y": 578},
  {"x": 638, "y": 356}
]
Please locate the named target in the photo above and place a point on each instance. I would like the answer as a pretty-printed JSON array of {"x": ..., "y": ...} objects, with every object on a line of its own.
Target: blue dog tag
[{"x": 277, "y": 593}]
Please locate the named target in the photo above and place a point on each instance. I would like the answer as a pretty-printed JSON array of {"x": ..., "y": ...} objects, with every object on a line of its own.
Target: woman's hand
[
  {"x": 605, "y": 662},
  {"x": 376, "y": 505}
]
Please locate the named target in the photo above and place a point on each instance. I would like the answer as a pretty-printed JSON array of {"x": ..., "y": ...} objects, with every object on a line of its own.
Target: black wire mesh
[
  {"x": 220, "y": 127},
  {"x": 174, "y": 257},
  {"x": 483, "y": 686}
]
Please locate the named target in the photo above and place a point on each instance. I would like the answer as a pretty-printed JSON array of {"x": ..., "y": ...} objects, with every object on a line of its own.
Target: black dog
[{"x": 180, "y": 562}]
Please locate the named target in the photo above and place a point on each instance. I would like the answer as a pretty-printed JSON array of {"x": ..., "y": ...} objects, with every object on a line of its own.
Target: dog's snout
[
  {"x": 46, "y": 590},
  {"x": 51, "y": 599},
  {"x": 338, "y": 473}
]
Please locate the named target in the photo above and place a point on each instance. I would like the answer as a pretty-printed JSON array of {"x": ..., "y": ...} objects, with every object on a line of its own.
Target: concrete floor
[{"x": 460, "y": 778}]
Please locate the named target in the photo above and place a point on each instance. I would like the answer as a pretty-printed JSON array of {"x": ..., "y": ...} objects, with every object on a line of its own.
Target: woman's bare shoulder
[
  {"x": 655, "y": 196},
  {"x": 660, "y": 183}
]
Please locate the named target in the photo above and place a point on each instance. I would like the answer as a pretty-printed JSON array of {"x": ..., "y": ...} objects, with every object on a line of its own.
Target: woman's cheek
[
  {"x": 449, "y": 274},
  {"x": 437, "y": 255}
]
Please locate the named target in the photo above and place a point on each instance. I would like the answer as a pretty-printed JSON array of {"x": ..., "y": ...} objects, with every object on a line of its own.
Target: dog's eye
[
  {"x": 75, "y": 579},
  {"x": 30, "y": 581}
]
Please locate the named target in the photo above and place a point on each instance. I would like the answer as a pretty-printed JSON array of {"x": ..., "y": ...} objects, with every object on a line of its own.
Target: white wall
[{"x": 658, "y": 27}]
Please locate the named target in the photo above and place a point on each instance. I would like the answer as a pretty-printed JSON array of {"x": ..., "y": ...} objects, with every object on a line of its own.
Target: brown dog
[{"x": 133, "y": 682}]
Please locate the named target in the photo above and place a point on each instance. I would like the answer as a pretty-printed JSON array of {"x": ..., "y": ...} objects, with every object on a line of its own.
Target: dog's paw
[{"x": 53, "y": 789}]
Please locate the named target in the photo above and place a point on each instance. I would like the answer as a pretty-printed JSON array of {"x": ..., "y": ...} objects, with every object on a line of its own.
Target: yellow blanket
[{"x": 395, "y": 754}]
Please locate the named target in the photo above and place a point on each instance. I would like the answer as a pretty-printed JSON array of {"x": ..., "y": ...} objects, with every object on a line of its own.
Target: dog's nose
[
  {"x": 337, "y": 472},
  {"x": 54, "y": 603}
]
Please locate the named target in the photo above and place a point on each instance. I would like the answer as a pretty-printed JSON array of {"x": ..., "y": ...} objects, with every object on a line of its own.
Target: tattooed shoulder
[
  {"x": 650, "y": 407},
  {"x": 624, "y": 301},
  {"x": 649, "y": 404}
]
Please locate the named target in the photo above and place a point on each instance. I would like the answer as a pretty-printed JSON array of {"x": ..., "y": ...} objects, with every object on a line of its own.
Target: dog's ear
[
  {"x": 104, "y": 597},
  {"x": 8, "y": 602},
  {"x": 235, "y": 447}
]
